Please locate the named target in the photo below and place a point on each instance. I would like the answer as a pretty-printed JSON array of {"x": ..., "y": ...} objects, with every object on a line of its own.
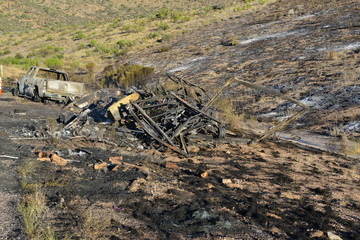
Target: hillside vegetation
[
  {"x": 21, "y": 14},
  {"x": 85, "y": 37}
]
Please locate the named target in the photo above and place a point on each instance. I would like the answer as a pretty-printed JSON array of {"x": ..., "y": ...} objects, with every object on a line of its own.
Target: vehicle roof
[{"x": 50, "y": 70}]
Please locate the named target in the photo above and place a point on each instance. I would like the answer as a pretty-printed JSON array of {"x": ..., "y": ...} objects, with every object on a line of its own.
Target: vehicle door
[{"x": 23, "y": 82}]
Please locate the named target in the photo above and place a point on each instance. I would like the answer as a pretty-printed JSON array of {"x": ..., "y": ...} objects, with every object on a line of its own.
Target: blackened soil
[
  {"x": 262, "y": 191},
  {"x": 249, "y": 195}
]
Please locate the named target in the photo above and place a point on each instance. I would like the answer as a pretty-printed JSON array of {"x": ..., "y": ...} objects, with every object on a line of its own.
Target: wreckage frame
[{"x": 166, "y": 118}]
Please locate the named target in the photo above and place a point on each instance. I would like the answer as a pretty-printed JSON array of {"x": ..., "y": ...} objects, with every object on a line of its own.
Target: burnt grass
[
  {"x": 308, "y": 50},
  {"x": 175, "y": 203},
  {"x": 263, "y": 191}
]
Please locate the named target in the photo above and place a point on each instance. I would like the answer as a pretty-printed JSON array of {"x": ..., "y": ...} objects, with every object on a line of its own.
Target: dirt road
[
  {"x": 10, "y": 227},
  {"x": 16, "y": 115}
]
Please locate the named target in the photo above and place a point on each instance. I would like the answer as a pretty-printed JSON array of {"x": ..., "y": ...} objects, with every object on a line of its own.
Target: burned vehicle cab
[{"x": 44, "y": 83}]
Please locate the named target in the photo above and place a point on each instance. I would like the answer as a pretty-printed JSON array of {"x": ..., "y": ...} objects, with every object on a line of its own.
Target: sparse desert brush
[
  {"x": 225, "y": 104},
  {"x": 48, "y": 233},
  {"x": 176, "y": 16},
  {"x": 332, "y": 55},
  {"x": 90, "y": 66},
  {"x": 93, "y": 43},
  {"x": 163, "y": 13},
  {"x": 81, "y": 46},
  {"x": 31, "y": 208},
  {"x": 153, "y": 35},
  {"x": 163, "y": 49},
  {"x": 163, "y": 26},
  {"x": 25, "y": 168},
  {"x": 262, "y": 2},
  {"x": 78, "y": 36},
  {"x": 242, "y": 8},
  {"x": 165, "y": 38},
  {"x": 135, "y": 28},
  {"x": 6, "y": 52},
  {"x": 125, "y": 43},
  {"x": 93, "y": 225},
  {"x": 349, "y": 147},
  {"x": 47, "y": 50},
  {"x": 233, "y": 41},
  {"x": 227, "y": 113}
]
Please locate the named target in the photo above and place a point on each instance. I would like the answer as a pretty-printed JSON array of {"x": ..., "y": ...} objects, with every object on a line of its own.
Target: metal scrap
[{"x": 163, "y": 118}]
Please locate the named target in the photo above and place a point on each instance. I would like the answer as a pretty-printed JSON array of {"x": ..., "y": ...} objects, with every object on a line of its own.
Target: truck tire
[
  {"x": 36, "y": 97},
  {"x": 16, "y": 91}
]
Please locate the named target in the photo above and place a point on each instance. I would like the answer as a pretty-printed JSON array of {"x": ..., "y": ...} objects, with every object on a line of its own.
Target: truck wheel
[
  {"x": 44, "y": 101},
  {"x": 36, "y": 97},
  {"x": 16, "y": 91}
]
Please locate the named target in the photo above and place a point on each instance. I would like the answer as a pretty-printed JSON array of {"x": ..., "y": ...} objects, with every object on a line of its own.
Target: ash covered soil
[
  {"x": 223, "y": 190},
  {"x": 308, "y": 50}
]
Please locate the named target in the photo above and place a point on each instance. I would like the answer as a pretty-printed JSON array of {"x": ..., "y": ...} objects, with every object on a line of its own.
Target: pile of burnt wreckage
[{"x": 158, "y": 119}]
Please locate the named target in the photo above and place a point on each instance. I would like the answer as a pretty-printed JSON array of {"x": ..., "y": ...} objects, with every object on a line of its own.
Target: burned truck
[{"x": 41, "y": 84}]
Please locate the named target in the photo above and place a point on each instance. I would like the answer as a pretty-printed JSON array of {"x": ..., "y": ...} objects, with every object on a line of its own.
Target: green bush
[
  {"x": 163, "y": 49},
  {"x": 163, "y": 13},
  {"x": 93, "y": 43},
  {"x": 165, "y": 38},
  {"x": 242, "y": 8},
  {"x": 176, "y": 16},
  {"x": 218, "y": 7},
  {"x": 89, "y": 53},
  {"x": 18, "y": 56},
  {"x": 6, "y": 51},
  {"x": 125, "y": 43},
  {"x": 262, "y": 2},
  {"x": 81, "y": 46},
  {"x": 153, "y": 35},
  {"x": 47, "y": 51},
  {"x": 26, "y": 62},
  {"x": 132, "y": 28},
  {"x": 53, "y": 62},
  {"x": 163, "y": 26},
  {"x": 103, "y": 49},
  {"x": 78, "y": 36},
  {"x": 185, "y": 19}
]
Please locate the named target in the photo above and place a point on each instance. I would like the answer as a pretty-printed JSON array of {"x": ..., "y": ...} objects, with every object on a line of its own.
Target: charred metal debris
[{"x": 157, "y": 119}]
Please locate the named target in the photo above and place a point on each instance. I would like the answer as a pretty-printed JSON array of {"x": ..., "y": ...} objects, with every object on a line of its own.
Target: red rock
[
  {"x": 171, "y": 165},
  {"x": 58, "y": 160}
]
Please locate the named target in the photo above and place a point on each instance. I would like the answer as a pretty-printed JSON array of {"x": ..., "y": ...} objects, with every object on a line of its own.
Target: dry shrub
[
  {"x": 227, "y": 112},
  {"x": 334, "y": 55},
  {"x": 126, "y": 75}
]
